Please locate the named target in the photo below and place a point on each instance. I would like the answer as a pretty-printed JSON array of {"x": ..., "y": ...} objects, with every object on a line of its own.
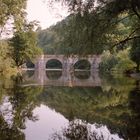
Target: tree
[
  {"x": 6, "y": 62},
  {"x": 24, "y": 45},
  {"x": 102, "y": 17},
  {"x": 135, "y": 53},
  {"x": 14, "y": 11}
]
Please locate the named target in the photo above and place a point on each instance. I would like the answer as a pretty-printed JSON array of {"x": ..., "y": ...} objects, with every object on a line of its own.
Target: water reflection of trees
[
  {"x": 92, "y": 105},
  {"x": 108, "y": 105},
  {"x": 77, "y": 130},
  {"x": 81, "y": 130},
  {"x": 133, "y": 123},
  {"x": 12, "y": 133},
  {"x": 115, "y": 104},
  {"x": 23, "y": 100}
]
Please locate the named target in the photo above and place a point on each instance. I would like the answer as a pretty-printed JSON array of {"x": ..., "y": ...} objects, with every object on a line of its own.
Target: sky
[{"x": 45, "y": 12}]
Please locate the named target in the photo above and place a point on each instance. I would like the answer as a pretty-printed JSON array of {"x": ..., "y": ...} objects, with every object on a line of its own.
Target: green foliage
[
  {"x": 6, "y": 62},
  {"x": 135, "y": 52},
  {"x": 12, "y": 12},
  {"x": 86, "y": 33},
  {"x": 12, "y": 9},
  {"x": 47, "y": 40},
  {"x": 95, "y": 26},
  {"x": 24, "y": 47},
  {"x": 124, "y": 61},
  {"x": 108, "y": 61},
  {"x": 119, "y": 61},
  {"x": 73, "y": 36}
]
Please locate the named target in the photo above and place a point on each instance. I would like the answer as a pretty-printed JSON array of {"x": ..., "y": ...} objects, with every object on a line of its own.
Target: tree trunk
[{"x": 138, "y": 66}]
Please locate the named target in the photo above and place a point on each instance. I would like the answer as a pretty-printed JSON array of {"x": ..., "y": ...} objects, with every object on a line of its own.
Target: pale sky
[{"x": 46, "y": 13}]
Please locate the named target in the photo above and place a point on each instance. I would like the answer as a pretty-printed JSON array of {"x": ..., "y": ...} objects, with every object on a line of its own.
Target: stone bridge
[
  {"x": 67, "y": 78},
  {"x": 67, "y": 62}
]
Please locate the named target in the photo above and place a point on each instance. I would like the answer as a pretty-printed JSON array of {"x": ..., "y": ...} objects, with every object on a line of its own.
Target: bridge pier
[{"x": 40, "y": 72}]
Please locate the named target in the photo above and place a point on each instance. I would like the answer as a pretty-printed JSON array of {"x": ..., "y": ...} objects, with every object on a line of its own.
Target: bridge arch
[
  {"x": 54, "y": 64},
  {"x": 30, "y": 64},
  {"x": 82, "y": 64}
]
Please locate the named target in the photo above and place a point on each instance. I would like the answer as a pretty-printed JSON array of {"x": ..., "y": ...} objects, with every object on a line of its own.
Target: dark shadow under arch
[
  {"x": 82, "y": 65},
  {"x": 30, "y": 64},
  {"x": 53, "y": 64}
]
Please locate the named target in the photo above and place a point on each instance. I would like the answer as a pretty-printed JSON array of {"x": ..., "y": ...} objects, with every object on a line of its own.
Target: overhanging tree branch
[
  {"x": 135, "y": 10},
  {"x": 116, "y": 22},
  {"x": 125, "y": 41}
]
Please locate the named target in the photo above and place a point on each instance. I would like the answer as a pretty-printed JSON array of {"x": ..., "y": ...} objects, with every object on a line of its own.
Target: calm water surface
[{"x": 84, "y": 106}]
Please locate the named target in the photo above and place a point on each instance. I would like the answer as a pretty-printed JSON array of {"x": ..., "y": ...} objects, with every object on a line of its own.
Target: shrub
[
  {"x": 108, "y": 61},
  {"x": 124, "y": 61},
  {"x": 116, "y": 62}
]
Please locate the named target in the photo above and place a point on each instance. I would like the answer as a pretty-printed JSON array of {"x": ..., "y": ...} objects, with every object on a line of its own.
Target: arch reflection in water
[
  {"x": 82, "y": 74},
  {"x": 53, "y": 64},
  {"x": 63, "y": 78},
  {"x": 53, "y": 75},
  {"x": 82, "y": 65}
]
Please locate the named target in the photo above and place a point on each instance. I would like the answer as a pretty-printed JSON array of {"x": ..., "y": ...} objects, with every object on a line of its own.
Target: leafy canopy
[
  {"x": 96, "y": 23},
  {"x": 12, "y": 11},
  {"x": 24, "y": 47}
]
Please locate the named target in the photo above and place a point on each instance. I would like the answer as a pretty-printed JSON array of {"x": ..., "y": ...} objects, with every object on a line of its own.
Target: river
[{"x": 88, "y": 107}]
